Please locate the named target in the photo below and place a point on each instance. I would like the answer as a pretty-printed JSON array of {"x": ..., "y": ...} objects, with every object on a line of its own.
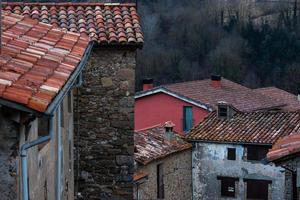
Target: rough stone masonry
[{"x": 104, "y": 131}]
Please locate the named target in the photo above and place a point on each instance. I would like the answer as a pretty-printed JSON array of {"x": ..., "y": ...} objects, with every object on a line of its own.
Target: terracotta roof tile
[
  {"x": 291, "y": 100},
  {"x": 241, "y": 97},
  {"x": 36, "y": 61},
  {"x": 251, "y": 127},
  {"x": 152, "y": 144},
  {"x": 285, "y": 147},
  {"x": 87, "y": 18}
]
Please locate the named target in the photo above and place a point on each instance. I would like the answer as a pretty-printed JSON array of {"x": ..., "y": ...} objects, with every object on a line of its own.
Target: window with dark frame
[
  {"x": 227, "y": 186},
  {"x": 160, "y": 182},
  {"x": 70, "y": 101},
  {"x": 222, "y": 111},
  {"x": 43, "y": 130},
  {"x": 257, "y": 189},
  {"x": 231, "y": 154},
  {"x": 187, "y": 118},
  {"x": 62, "y": 115},
  {"x": 257, "y": 153}
]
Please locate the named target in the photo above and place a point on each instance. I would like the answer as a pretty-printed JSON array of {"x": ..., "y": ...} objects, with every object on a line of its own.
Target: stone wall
[
  {"x": 210, "y": 161},
  {"x": 104, "y": 138},
  {"x": 177, "y": 172},
  {"x": 8, "y": 152}
]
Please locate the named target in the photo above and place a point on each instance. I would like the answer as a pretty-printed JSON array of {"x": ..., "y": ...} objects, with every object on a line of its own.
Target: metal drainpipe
[
  {"x": 23, "y": 152},
  {"x": 58, "y": 163}
]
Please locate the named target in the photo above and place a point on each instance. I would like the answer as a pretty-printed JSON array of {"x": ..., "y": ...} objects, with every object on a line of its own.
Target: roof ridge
[{"x": 69, "y": 4}]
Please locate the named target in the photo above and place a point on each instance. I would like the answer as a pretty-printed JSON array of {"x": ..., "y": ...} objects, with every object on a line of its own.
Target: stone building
[
  {"x": 39, "y": 67},
  {"x": 285, "y": 153},
  {"x": 163, "y": 164},
  {"x": 227, "y": 151},
  {"x": 104, "y": 104}
]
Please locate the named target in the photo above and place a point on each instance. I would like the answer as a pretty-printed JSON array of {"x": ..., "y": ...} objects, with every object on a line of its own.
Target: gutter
[
  {"x": 59, "y": 156},
  {"x": 69, "y": 84},
  {"x": 23, "y": 153}
]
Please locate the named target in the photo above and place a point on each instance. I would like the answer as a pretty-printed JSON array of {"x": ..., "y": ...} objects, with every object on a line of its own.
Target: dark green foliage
[{"x": 186, "y": 40}]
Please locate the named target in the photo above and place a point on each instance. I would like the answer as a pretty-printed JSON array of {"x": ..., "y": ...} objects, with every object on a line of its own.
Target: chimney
[
  {"x": 169, "y": 130},
  {"x": 298, "y": 96},
  {"x": 147, "y": 84},
  {"x": 216, "y": 81}
]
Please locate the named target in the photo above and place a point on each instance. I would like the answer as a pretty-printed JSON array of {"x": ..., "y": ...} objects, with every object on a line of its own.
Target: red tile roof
[
  {"x": 285, "y": 147},
  {"x": 36, "y": 60},
  {"x": 152, "y": 144},
  {"x": 291, "y": 100},
  {"x": 242, "y": 98},
  {"x": 253, "y": 127},
  {"x": 105, "y": 23}
]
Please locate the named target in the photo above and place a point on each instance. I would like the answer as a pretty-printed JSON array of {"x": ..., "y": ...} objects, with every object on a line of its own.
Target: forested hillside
[{"x": 256, "y": 43}]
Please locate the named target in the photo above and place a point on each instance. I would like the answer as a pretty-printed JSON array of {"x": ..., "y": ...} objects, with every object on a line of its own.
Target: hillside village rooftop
[
  {"x": 37, "y": 61},
  {"x": 107, "y": 24},
  {"x": 246, "y": 128},
  {"x": 207, "y": 93}
]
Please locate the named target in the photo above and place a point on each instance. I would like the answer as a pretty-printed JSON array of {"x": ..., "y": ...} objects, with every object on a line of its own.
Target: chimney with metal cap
[
  {"x": 216, "y": 81},
  {"x": 148, "y": 84},
  {"x": 169, "y": 135}
]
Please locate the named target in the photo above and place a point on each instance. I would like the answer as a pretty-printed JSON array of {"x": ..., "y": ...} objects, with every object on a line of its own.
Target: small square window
[
  {"x": 227, "y": 186},
  {"x": 257, "y": 153},
  {"x": 222, "y": 111},
  {"x": 231, "y": 154}
]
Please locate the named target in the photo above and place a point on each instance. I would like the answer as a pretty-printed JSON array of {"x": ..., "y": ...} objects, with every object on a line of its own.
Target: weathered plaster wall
[
  {"x": 177, "y": 178},
  {"x": 210, "y": 161},
  {"x": 42, "y": 162},
  {"x": 105, "y": 119},
  {"x": 9, "y": 137}
]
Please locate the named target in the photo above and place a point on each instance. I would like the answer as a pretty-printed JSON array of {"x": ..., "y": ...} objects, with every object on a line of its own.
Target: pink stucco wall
[{"x": 159, "y": 108}]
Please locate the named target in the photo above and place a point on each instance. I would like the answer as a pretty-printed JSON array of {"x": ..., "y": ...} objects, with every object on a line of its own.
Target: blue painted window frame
[{"x": 187, "y": 118}]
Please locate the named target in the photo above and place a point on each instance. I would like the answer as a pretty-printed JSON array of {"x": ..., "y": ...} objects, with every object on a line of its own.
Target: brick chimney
[
  {"x": 147, "y": 84},
  {"x": 216, "y": 81}
]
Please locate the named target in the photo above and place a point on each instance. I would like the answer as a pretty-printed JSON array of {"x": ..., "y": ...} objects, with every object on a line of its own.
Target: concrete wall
[
  {"x": 210, "y": 161},
  {"x": 41, "y": 159},
  {"x": 177, "y": 178},
  {"x": 104, "y": 137},
  {"x": 169, "y": 108}
]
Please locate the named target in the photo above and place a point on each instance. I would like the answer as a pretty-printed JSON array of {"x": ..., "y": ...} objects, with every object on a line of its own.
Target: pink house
[{"x": 188, "y": 103}]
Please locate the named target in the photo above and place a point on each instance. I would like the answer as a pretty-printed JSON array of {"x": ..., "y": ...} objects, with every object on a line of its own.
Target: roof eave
[
  {"x": 130, "y": 46},
  {"x": 227, "y": 142},
  {"x": 68, "y": 85},
  {"x": 173, "y": 94},
  {"x": 187, "y": 147}
]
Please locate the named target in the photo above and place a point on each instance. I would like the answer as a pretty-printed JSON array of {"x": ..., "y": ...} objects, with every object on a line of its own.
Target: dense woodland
[{"x": 256, "y": 43}]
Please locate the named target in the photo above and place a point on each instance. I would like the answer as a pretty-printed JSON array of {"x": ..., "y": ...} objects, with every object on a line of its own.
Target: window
[
  {"x": 43, "y": 130},
  {"x": 43, "y": 127},
  {"x": 231, "y": 154},
  {"x": 227, "y": 186},
  {"x": 222, "y": 111},
  {"x": 257, "y": 189},
  {"x": 257, "y": 152},
  {"x": 160, "y": 181},
  {"x": 187, "y": 118},
  {"x": 70, "y": 102},
  {"x": 62, "y": 115}
]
